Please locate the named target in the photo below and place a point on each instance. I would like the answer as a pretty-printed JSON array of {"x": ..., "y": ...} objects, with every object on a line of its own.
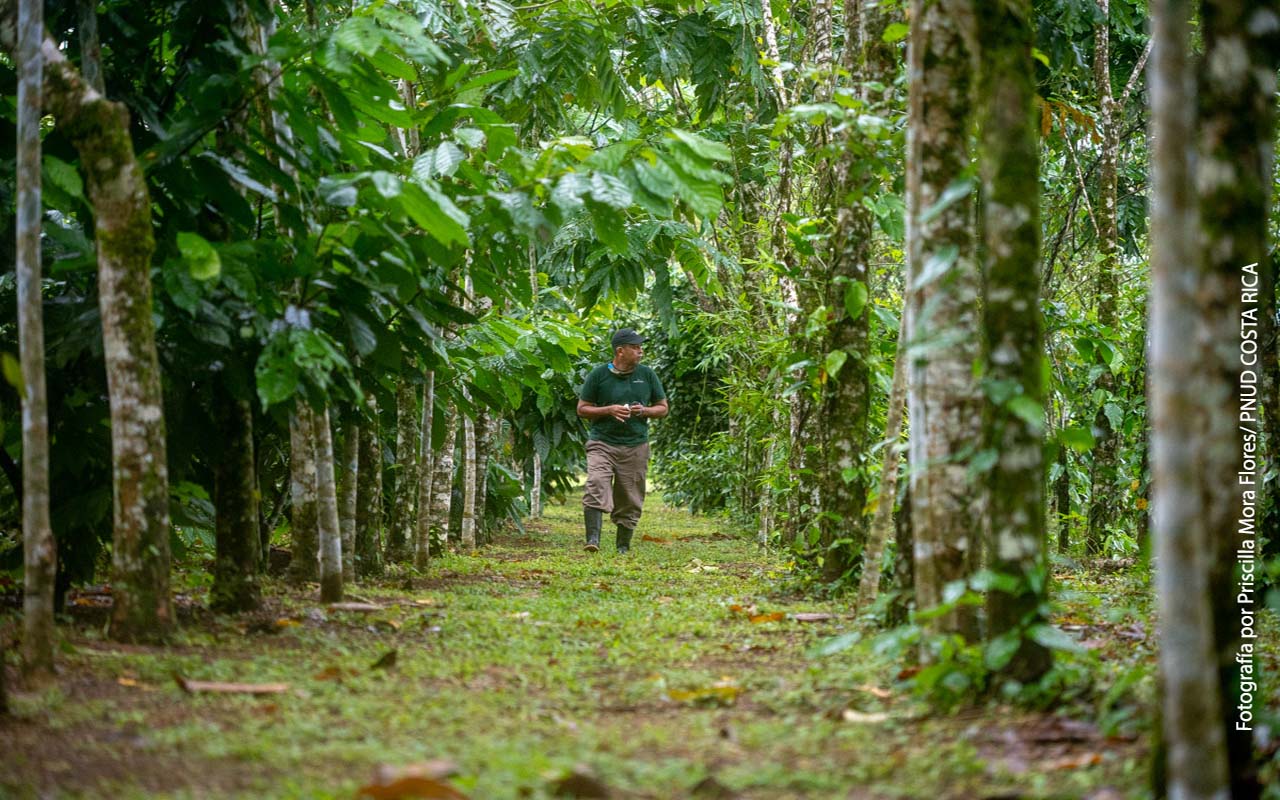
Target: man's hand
[{"x": 620, "y": 413}]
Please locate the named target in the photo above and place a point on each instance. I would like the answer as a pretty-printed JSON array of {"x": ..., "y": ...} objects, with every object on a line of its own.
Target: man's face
[{"x": 627, "y": 356}]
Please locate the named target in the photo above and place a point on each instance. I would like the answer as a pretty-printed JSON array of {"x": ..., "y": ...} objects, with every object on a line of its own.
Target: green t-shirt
[{"x": 604, "y": 388}]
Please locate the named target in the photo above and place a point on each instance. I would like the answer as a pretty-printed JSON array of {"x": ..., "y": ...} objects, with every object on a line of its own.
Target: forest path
[{"x": 535, "y": 667}]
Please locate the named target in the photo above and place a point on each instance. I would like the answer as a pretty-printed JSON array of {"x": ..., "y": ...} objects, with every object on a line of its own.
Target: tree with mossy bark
[
  {"x": 117, "y": 189},
  {"x": 1013, "y": 340},
  {"x": 944, "y": 400}
]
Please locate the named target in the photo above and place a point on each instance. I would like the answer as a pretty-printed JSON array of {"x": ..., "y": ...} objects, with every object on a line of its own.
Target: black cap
[{"x": 627, "y": 336}]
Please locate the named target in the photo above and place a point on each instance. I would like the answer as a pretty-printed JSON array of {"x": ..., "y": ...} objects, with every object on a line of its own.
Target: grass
[{"x": 525, "y": 663}]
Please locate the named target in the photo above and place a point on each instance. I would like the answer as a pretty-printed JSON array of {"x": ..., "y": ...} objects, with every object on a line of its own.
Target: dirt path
[{"x": 679, "y": 671}]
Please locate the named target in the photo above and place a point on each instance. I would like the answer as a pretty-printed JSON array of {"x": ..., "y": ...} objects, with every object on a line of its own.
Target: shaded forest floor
[{"x": 535, "y": 668}]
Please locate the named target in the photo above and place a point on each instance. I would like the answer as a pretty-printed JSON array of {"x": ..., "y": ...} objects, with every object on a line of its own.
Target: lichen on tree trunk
[
  {"x": 400, "y": 534},
  {"x": 328, "y": 531},
  {"x": 944, "y": 401},
  {"x": 303, "y": 566},
  {"x": 442, "y": 485},
  {"x": 426, "y": 475},
  {"x": 1013, "y": 338},
  {"x": 348, "y": 495},
  {"x": 369, "y": 497}
]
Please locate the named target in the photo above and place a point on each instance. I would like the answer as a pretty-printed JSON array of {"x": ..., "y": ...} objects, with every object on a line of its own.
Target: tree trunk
[
  {"x": 1103, "y": 498},
  {"x": 1009, "y": 152},
  {"x": 426, "y": 474},
  {"x": 329, "y": 533},
  {"x": 486, "y": 443},
  {"x": 442, "y": 485},
  {"x": 369, "y": 497},
  {"x": 904, "y": 566},
  {"x": 236, "y": 581},
  {"x": 535, "y": 493},
  {"x": 1196, "y": 762},
  {"x": 1062, "y": 500},
  {"x": 303, "y": 567},
  {"x": 882, "y": 524},
  {"x": 90, "y": 46},
  {"x": 39, "y": 551},
  {"x": 943, "y": 398},
  {"x": 117, "y": 190},
  {"x": 408, "y": 438},
  {"x": 348, "y": 497},
  {"x": 468, "y": 533},
  {"x": 1233, "y": 176}
]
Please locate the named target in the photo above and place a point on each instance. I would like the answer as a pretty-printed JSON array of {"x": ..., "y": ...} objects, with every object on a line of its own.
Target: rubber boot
[
  {"x": 594, "y": 520},
  {"x": 624, "y": 540}
]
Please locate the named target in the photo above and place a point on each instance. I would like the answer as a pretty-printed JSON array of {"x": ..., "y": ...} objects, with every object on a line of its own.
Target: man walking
[{"x": 619, "y": 399}]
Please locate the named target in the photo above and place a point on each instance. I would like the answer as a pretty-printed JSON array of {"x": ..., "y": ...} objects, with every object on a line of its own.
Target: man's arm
[
  {"x": 656, "y": 411},
  {"x": 588, "y": 410}
]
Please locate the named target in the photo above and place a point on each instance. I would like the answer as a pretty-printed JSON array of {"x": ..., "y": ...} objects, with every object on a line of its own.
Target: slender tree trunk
[
  {"x": 943, "y": 398},
  {"x": 1196, "y": 760},
  {"x": 408, "y": 438},
  {"x": 426, "y": 475},
  {"x": 1009, "y": 152},
  {"x": 39, "y": 552},
  {"x": 468, "y": 533},
  {"x": 1103, "y": 497},
  {"x": 117, "y": 190},
  {"x": 348, "y": 497},
  {"x": 1236, "y": 128},
  {"x": 535, "y": 493},
  {"x": 236, "y": 574},
  {"x": 369, "y": 497},
  {"x": 882, "y": 524},
  {"x": 904, "y": 566},
  {"x": 1062, "y": 501},
  {"x": 303, "y": 566},
  {"x": 486, "y": 443},
  {"x": 90, "y": 46},
  {"x": 442, "y": 485},
  {"x": 330, "y": 534}
]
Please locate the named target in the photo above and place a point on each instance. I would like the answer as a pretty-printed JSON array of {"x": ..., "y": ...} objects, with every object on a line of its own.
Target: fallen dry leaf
[
  {"x": 853, "y": 715},
  {"x": 774, "y": 616},
  {"x": 738, "y": 608},
  {"x": 664, "y": 599},
  {"x": 412, "y": 786},
  {"x": 332, "y": 674},
  {"x": 1073, "y": 762},
  {"x": 658, "y": 539},
  {"x": 875, "y": 691},
  {"x": 218, "y": 687},
  {"x": 354, "y": 607},
  {"x": 436, "y": 769}
]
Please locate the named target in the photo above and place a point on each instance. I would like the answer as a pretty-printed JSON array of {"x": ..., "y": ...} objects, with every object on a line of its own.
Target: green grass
[{"x": 520, "y": 664}]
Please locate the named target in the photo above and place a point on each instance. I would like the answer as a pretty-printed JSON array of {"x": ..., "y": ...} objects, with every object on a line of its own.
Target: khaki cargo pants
[{"x": 615, "y": 481}]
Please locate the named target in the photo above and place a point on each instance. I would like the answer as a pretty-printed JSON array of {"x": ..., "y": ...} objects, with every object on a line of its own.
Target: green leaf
[
  {"x": 488, "y": 79},
  {"x": 855, "y": 299},
  {"x": 1079, "y": 439},
  {"x": 704, "y": 148},
  {"x": 836, "y": 644},
  {"x": 62, "y": 175},
  {"x": 201, "y": 259},
  {"x": 435, "y": 213},
  {"x": 834, "y": 361},
  {"x": 1114, "y": 415},
  {"x": 443, "y": 160},
  {"x": 895, "y": 32},
  {"x": 1000, "y": 650},
  {"x": 1055, "y": 638},
  {"x": 12, "y": 372},
  {"x": 983, "y": 461},
  {"x": 610, "y": 191},
  {"x": 958, "y": 190},
  {"x": 469, "y": 137},
  {"x": 1028, "y": 410}
]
